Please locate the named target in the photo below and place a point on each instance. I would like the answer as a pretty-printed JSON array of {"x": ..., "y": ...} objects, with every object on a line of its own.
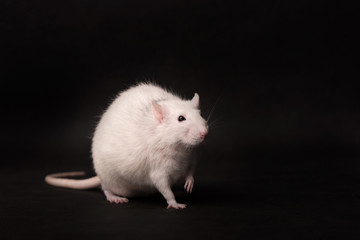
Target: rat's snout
[{"x": 203, "y": 133}]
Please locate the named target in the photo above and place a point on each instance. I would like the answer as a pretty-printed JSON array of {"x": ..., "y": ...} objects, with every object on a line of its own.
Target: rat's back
[{"x": 129, "y": 113}]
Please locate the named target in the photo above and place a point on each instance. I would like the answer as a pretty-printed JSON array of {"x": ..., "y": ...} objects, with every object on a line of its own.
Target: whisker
[
  {"x": 212, "y": 109},
  {"x": 214, "y": 122}
]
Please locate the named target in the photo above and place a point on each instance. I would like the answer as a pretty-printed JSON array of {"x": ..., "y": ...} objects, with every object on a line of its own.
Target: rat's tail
[{"x": 58, "y": 180}]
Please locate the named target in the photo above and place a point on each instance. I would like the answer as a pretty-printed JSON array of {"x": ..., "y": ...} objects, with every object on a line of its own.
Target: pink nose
[{"x": 203, "y": 134}]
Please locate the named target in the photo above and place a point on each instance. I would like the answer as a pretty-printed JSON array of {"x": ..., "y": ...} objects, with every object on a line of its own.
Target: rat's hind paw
[
  {"x": 176, "y": 206},
  {"x": 114, "y": 199}
]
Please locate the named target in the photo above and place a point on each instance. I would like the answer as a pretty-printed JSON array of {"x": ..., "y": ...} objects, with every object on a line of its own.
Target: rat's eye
[{"x": 181, "y": 118}]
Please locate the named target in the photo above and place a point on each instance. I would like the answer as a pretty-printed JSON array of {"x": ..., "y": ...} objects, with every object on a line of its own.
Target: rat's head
[{"x": 181, "y": 121}]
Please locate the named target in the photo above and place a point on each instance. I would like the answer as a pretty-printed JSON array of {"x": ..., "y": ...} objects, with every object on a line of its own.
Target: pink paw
[
  {"x": 116, "y": 199},
  {"x": 176, "y": 206},
  {"x": 189, "y": 184}
]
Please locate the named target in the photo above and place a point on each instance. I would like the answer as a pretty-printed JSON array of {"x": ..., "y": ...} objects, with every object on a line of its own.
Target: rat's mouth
[{"x": 195, "y": 140}]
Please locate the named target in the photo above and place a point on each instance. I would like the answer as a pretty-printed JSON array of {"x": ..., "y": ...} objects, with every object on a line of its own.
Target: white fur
[{"x": 140, "y": 147}]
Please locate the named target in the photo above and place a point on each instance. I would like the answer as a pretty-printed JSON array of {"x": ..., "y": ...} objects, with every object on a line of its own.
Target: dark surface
[{"x": 282, "y": 157}]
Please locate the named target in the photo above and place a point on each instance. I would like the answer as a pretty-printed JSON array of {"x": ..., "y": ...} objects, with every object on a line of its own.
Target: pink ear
[
  {"x": 158, "y": 111},
  {"x": 196, "y": 100}
]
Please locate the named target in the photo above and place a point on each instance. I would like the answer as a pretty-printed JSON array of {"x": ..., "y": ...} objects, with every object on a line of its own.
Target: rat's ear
[
  {"x": 158, "y": 111},
  {"x": 196, "y": 100}
]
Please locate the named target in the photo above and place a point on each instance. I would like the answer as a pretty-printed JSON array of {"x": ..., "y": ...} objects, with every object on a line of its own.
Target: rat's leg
[
  {"x": 161, "y": 182},
  {"x": 111, "y": 197}
]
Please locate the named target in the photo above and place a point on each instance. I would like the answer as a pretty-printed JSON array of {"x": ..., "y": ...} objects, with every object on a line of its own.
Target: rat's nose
[{"x": 203, "y": 134}]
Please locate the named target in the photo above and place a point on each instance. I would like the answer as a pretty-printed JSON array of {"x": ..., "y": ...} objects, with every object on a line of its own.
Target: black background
[{"x": 281, "y": 160}]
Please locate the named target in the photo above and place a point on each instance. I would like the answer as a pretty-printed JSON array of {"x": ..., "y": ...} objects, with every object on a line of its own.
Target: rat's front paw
[
  {"x": 189, "y": 184},
  {"x": 176, "y": 205}
]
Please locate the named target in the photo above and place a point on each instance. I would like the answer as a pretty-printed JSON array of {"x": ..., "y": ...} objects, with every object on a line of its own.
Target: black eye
[{"x": 181, "y": 118}]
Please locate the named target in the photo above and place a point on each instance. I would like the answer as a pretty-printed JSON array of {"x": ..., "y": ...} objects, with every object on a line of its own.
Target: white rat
[{"x": 142, "y": 144}]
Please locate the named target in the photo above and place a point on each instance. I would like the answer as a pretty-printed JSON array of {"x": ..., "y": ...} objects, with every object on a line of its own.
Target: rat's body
[{"x": 142, "y": 144}]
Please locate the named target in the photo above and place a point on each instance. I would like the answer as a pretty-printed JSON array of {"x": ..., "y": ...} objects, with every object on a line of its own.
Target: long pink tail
[{"x": 60, "y": 180}]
